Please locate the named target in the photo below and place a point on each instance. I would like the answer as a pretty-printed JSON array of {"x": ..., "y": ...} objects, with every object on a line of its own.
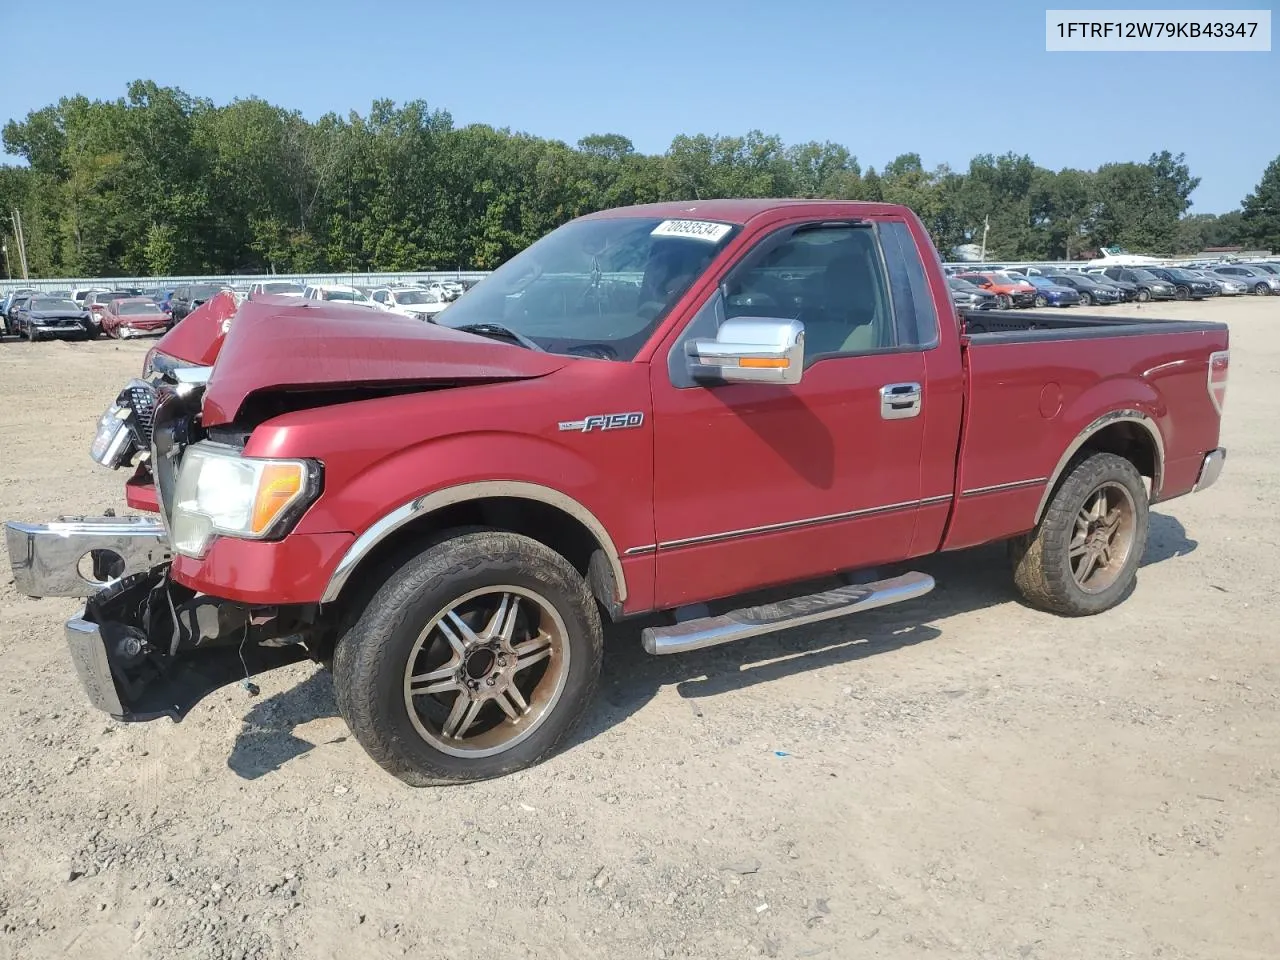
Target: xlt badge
[{"x": 604, "y": 421}]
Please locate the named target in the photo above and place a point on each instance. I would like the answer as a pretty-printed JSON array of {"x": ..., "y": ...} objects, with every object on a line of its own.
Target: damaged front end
[{"x": 145, "y": 646}]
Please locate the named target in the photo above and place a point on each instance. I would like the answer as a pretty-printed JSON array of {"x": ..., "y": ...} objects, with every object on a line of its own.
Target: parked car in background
[
  {"x": 127, "y": 317},
  {"x": 1258, "y": 280},
  {"x": 9, "y": 306},
  {"x": 1091, "y": 291},
  {"x": 411, "y": 301},
  {"x": 1050, "y": 294},
  {"x": 1186, "y": 285},
  {"x": 1128, "y": 291},
  {"x": 1227, "y": 286},
  {"x": 970, "y": 296},
  {"x": 190, "y": 296},
  {"x": 96, "y": 303},
  {"x": 277, "y": 288},
  {"x": 1150, "y": 287},
  {"x": 80, "y": 293},
  {"x": 339, "y": 293},
  {"x": 1010, "y": 291},
  {"x": 37, "y": 317}
]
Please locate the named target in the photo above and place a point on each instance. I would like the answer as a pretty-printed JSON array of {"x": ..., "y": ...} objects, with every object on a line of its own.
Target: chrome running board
[{"x": 794, "y": 612}]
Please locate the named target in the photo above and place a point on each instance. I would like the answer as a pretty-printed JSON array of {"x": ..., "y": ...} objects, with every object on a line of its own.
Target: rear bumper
[
  {"x": 1210, "y": 469},
  {"x": 45, "y": 557}
]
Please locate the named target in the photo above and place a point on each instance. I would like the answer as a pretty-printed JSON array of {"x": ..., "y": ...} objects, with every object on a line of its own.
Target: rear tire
[
  {"x": 434, "y": 624},
  {"x": 1082, "y": 558}
]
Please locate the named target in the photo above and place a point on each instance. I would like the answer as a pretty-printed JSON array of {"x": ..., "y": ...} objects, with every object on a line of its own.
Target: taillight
[{"x": 1219, "y": 373}]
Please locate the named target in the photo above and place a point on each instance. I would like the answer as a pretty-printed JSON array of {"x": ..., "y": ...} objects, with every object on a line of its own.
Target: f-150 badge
[{"x": 604, "y": 421}]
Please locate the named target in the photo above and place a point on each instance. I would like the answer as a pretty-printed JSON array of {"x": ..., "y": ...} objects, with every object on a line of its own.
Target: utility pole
[
  {"x": 986, "y": 225},
  {"x": 22, "y": 243}
]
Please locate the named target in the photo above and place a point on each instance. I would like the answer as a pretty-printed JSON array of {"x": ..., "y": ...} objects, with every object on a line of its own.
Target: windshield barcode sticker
[{"x": 697, "y": 229}]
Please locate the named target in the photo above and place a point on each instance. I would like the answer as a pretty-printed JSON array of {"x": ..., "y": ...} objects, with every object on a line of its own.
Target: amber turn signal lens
[
  {"x": 280, "y": 485},
  {"x": 776, "y": 363}
]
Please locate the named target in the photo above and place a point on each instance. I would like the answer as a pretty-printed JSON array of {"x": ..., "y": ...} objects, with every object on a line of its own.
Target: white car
[
  {"x": 410, "y": 301},
  {"x": 339, "y": 293},
  {"x": 277, "y": 288}
]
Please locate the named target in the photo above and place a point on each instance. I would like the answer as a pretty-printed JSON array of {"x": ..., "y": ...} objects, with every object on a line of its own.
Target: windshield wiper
[{"x": 499, "y": 330}]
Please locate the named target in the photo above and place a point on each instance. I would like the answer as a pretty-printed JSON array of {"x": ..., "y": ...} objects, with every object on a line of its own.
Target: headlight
[
  {"x": 162, "y": 363},
  {"x": 220, "y": 492},
  {"x": 111, "y": 436}
]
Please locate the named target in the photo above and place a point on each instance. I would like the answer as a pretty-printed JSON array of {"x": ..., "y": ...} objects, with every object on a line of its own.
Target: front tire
[
  {"x": 1144, "y": 295},
  {"x": 1041, "y": 300},
  {"x": 1086, "y": 299},
  {"x": 473, "y": 660},
  {"x": 1003, "y": 301},
  {"x": 1262, "y": 290},
  {"x": 1082, "y": 558},
  {"x": 1182, "y": 293}
]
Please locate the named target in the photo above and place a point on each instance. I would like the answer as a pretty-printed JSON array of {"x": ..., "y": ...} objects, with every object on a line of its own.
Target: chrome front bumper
[
  {"x": 45, "y": 557},
  {"x": 1211, "y": 468}
]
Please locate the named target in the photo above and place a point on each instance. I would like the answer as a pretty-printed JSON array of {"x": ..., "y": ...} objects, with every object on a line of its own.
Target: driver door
[{"x": 758, "y": 483}]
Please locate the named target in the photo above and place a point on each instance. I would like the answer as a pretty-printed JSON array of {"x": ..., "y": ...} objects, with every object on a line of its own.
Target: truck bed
[{"x": 1038, "y": 384}]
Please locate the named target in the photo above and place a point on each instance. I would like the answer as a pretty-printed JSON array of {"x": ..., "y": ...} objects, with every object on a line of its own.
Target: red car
[
  {"x": 653, "y": 411},
  {"x": 132, "y": 317}
]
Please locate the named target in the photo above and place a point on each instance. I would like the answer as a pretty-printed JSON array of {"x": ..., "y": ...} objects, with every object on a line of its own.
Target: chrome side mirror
[{"x": 750, "y": 350}]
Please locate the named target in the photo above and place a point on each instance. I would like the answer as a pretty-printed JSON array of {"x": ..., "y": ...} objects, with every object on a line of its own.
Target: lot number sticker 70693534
[{"x": 695, "y": 229}]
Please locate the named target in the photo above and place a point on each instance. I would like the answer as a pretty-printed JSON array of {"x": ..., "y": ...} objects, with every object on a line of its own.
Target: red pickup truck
[{"x": 652, "y": 410}]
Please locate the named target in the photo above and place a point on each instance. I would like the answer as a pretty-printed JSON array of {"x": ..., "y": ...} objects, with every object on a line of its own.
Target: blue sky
[{"x": 942, "y": 79}]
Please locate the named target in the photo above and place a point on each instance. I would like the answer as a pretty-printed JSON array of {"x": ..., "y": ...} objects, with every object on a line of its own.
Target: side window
[
  {"x": 852, "y": 297},
  {"x": 830, "y": 278},
  {"x": 380, "y": 296}
]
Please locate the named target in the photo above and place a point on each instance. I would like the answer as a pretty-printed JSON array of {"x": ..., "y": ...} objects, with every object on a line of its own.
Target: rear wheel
[
  {"x": 473, "y": 660},
  {"x": 1082, "y": 558}
]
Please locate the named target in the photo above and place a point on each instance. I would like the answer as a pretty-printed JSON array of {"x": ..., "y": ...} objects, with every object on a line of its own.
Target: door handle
[{"x": 900, "y": 401}]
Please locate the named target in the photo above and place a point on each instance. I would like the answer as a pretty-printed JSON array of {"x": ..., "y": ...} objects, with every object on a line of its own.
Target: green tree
[{"x": 1260, "y": 211}]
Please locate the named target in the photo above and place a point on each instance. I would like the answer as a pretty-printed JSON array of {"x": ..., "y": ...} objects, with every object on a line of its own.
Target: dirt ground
[{"x": 957, "y": 777}]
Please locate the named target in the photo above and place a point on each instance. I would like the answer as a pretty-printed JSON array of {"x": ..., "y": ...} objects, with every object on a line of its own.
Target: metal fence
[{"x": 240, "y": 280}]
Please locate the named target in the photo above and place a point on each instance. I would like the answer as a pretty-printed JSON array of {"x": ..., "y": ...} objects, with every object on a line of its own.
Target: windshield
[
  {"x": 204, "y": 291},
  {"x": 415, "y": 296},
  {"x": 1039, "y": 282},
  {"x": 1145, "y": 275},
  {"x": 604, "y": 284},
  {"x": 1265, "y": 268},
  {"x": 1183, "y": 275},
  {"x": 135, "y": 308},
  {"x": 964, "y": 286},
  {"x": 49, "y": 303},
  {"x": 281, "y": 286}
]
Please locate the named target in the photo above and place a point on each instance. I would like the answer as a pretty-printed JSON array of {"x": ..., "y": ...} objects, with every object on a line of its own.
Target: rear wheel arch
[
  {"x": 1130, "y": 434},
  {"x": 541, "y": 513}
]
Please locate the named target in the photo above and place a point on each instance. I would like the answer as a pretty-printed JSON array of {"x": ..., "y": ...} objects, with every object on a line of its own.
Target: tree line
[{"x": 161, "y": 182}]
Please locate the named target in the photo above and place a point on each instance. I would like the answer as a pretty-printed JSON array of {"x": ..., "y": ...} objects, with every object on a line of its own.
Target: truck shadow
[{"x": 966, "y": 581}]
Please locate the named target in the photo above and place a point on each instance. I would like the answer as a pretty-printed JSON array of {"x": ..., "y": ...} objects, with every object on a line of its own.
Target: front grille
[{"x": 142, "y": 398}]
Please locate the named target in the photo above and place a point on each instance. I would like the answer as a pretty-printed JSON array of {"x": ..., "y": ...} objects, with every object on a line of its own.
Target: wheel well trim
[
  {"x": 1096, "y": 427},
  {"x": 429, "y": 503}
]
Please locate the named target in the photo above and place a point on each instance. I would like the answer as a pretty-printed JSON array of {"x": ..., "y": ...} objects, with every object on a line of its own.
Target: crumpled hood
[{"x": 277, "y": 343}]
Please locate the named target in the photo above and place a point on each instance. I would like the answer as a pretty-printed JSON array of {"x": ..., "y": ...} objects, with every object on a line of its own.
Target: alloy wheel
[{"x": 1103, "y": 538}]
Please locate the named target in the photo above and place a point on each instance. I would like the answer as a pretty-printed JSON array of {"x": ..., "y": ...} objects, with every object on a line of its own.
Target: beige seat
[{"x": 846, "y": 323}]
